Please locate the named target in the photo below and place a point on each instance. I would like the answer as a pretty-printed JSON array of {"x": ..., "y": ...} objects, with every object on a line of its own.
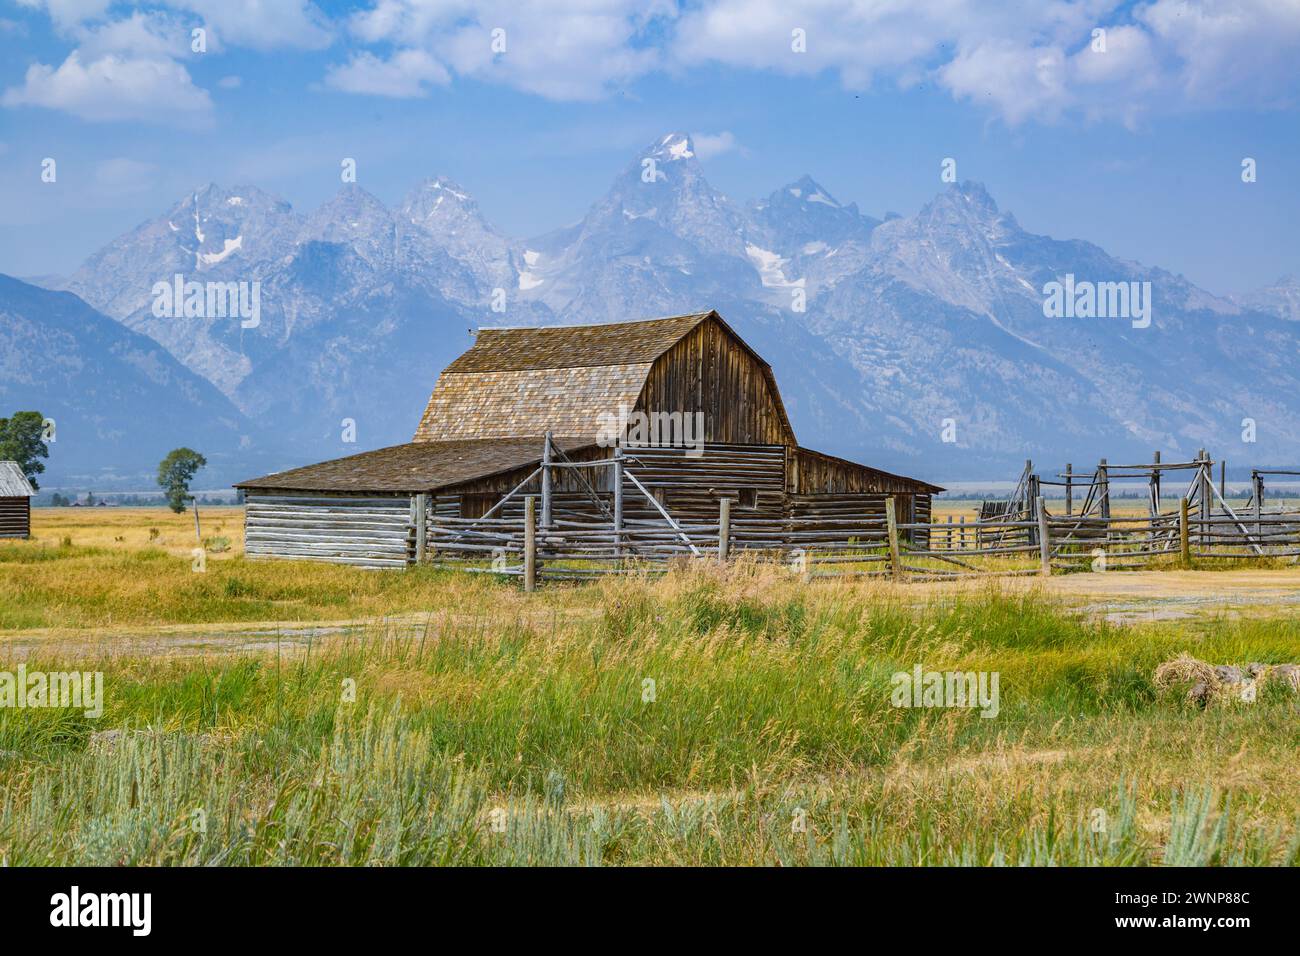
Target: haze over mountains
[
  {"x": 878, "y": 332},
  {"x": 118, "y": 400}
]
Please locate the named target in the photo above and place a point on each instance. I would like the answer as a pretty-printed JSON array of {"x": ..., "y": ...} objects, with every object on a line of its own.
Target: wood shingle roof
[
  {"x": 575, "y": 346},
  {"x": 414, "y": 467},
  {"x": 565, "y": 379}
]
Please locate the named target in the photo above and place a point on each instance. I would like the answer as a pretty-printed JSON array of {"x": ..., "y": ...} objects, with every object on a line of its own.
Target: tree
[
  {"x": 22, "y": 439},
  {"x": 175, "y": 473}
]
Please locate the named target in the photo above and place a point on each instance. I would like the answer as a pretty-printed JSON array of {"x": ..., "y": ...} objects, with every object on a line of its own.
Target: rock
[
  {"x": 1255, "y": 670},
  {"x": 1199, "y": 695},
  {"x": 1228, "y": 674},
  {"x": 1287, "y": 673}
]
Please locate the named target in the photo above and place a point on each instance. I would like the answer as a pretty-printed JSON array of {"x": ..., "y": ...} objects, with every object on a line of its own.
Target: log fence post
[
  {"x": 1184, "y": 536},
  {"x": 1044, "y": 540},
  {"x": 421, "y": 527},
  {"x": 724, "y": 530},
  {"x": 530, "y": 543},
  {"x": 618, "y": 501},
  {"x": 891, "y": 527},
  {"x": 546, "y": 482}
]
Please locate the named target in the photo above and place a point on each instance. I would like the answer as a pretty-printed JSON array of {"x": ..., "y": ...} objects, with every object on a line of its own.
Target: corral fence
[
  {"x": 577, "y": 549},
  {"x": 1015, "y": 536}
]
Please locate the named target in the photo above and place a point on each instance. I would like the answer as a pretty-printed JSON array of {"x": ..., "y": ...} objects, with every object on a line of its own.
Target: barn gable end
[{"x": 711, "y": 370}]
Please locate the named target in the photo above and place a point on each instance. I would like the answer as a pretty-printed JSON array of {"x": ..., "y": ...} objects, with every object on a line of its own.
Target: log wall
[
  {"x": 369, "y": 532},
  {"x": 15, "y": 517},
  {"x": 689, "y": 486}
]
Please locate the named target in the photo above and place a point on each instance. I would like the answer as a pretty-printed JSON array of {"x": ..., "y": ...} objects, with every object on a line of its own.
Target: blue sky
[{"x": 1137, "y": 146}]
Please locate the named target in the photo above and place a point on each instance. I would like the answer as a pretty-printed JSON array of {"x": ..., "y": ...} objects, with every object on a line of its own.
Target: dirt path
[
  {"x": 287, "y": 638},
  {"x": 1118, "y": 596},
  {"x": 1136, "y": 596}
]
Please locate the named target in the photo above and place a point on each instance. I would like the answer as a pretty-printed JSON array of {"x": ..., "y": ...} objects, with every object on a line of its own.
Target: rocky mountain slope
[
  {"x": 881, "y": 333},
  {"x": 118, "y": 400}
]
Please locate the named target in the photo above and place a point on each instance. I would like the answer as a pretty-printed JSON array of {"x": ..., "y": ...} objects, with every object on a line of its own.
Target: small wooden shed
[
  {"x": 591, "y": 388},
  {"x": 15, "y": 501}
]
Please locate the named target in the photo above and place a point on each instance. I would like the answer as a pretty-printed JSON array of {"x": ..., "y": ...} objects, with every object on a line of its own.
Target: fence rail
[{"x": 572, "y": 548}]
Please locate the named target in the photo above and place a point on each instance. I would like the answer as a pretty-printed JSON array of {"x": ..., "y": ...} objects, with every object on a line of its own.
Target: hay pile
[{"x": 1207, "y": 684}]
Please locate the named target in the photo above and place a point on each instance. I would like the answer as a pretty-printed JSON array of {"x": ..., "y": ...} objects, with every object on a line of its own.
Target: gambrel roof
[
  {"x": 574, "y": 346},
  {"x": 563, "y": 379}
]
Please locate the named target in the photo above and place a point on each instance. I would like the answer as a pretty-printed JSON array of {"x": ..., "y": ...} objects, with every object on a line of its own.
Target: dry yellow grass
[
  {"x": 134, "y": 528},
  {"x": 132, "y": 568}
]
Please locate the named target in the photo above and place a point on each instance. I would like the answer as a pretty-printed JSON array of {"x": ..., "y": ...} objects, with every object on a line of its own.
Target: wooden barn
[
  {"x": 633, "y": 422},
  {"x": 15, "y": 502}
]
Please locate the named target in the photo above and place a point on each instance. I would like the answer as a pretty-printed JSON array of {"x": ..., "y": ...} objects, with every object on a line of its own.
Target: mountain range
[{"x": 918, "y": 344}]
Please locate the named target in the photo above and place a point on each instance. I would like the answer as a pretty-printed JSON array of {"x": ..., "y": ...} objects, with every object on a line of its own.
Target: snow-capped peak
[
  {"x": 447, "y": 186},
  {"x": 809, "y": 190},
  {"x": 673, "y": 147}
]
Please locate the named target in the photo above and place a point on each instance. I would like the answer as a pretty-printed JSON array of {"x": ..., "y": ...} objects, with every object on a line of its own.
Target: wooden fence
[{"x": 813, "y": 547}]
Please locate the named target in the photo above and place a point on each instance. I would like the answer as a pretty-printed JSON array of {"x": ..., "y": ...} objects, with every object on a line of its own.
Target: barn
[
  {"x": 15, "y": 501},
  {"x": 635, "y": 422}
]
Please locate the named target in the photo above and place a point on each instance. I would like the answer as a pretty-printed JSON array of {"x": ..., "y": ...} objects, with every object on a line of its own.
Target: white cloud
[
  {"x": 151, "y": 35},
  {"x": 127, "y": 68},
  {"x": 262, "y": 24},
  {"x": 256, "y": 24},
  {"x": 1022, "y": 59},
  {"x": 151, "y": 90},
  {"x": 1228, "y": 50},
  {"x": 407, "y": 73},
  {"x": 1018, "y": 81},
  {"x": 69, "y": 13},
  {"x": 708, "y": 145},
  {"x": 563, "y": 51}
]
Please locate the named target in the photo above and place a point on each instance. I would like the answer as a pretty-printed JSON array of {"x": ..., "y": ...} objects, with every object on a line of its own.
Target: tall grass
[
  {"x": 379, "y": 792},
  {"x": 700, "y": 718},
  {"x": 76, "y": 587}
]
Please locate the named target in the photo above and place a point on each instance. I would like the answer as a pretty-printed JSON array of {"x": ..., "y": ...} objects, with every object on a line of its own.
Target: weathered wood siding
[
  {"x": 564, "y": 479},
  {"x": 710, "y": 371},
  {"x": 688, "y": 486},
  {"x": 15, "y": 517},
  {"x": 867, "y": 507},
  {"x": 370, "y": 532},
  {"x": 812, "y": 473},
  {"x": 691, "y": 487}
]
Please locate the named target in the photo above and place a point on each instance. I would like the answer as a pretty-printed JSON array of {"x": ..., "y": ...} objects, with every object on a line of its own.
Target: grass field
[{"x": 703, "y": 717}]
